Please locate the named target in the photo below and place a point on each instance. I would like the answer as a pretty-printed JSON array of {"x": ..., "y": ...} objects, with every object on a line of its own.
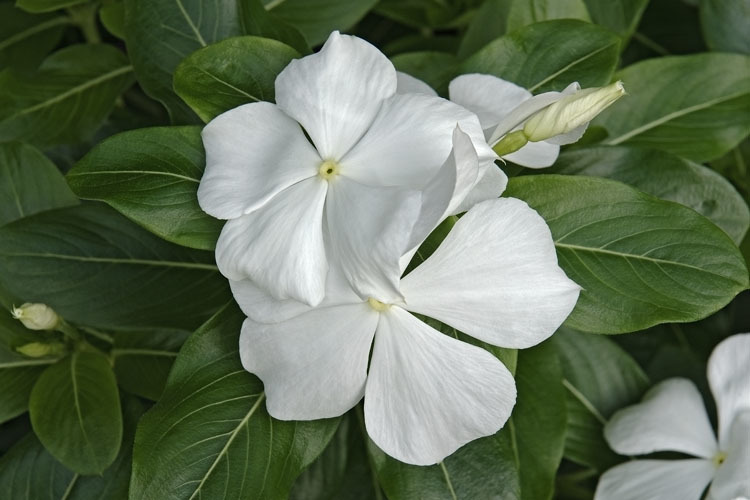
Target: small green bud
[
  {"x": 36, "y": 316},
  {"x": 571, "y": 112},
  {"x": 510, "y": 143},
  {"x": 41, "y": 349}
]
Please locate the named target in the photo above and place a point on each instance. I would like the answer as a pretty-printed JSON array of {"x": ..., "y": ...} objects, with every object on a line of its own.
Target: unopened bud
[
  {"x": 41, "y": 349},
  {"x": 510, "y": 143},
  {"x": 571, "y": 112},
  {"x": 36, "y": 316}
]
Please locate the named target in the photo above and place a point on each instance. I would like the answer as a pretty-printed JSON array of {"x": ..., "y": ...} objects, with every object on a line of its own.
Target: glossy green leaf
[
  {"x": 25, "y": 39},
  {"x": 725, "y": 25},
  {"x": 256, "y": 20},
  {"x": 600, "y": 378},
  {"x": 67, "y": 98},
  {"x": 151, "y": 176},
  {"x": 142, "y": 360},
  {"x": 427, "y": 14},
  {"x": 28, "y": 471},
  {"x": 620, "y": 16},
  {"x": 209, "y": 436},
  {"x": 315, "y": 19},
  {"x": 29, "y": 183},
  {"x": 75, "y": 412},
  {"x": 229, "y": 73},
  {"x": 436, "y": 69},
  {"x": 112, "y": 16},
  {"x": 46, "y": 5},
  {"x": 550, "y": 55},
  {"x": 96, "y": 268},
  {"x": 693, "y": 106},
  {"x": 640, "y": 260},
  {"x": 665, "y": 176}
]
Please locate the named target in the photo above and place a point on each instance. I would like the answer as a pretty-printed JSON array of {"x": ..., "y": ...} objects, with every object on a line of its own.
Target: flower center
[
  {"x": 377, "y": 305},
  {"x": 719, "y": 458},
  {"x": 328, "y": 169}
]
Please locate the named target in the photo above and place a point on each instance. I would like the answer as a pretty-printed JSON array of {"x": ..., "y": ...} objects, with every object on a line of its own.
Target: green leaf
[
  {"x": 256, "y": 20},
  {"x": 538, "y": 422},
  {"x": 665, "y": 176},
  {"x": 209, "y": 436},
  {"x": 227, "y": 74},
  {"x": 96, "y": 268},
  {"x": 29, "y": 183},
  {"x": 25, "y": 39},
  {"x": 46, "y": 5},
  {"x": 151, "y": 176},
  {"x": 693, "y": 106},
  {"x": 315, "y": 19},
  {"x": 436, "y": 69},
  {"x": 29, "y": 471},
  {"x": 600, "y": 378},
  {"x": 620, "y": 16},
  {"x": 725, "y": 25},
  {"x": 640, "y": 260},
  {"x": 112, "y": 16},
  {"x": 428, "y": 14},
  {"x": 68, "y": 97},
  {"x": 143, "y": 359},
  {"x": 75, "y": 412},
  {"x": 550, "y": 55}
]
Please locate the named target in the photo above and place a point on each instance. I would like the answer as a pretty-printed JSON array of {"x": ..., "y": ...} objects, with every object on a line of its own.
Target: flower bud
[
  {"x": 36, "y": 316},
  {"x": 571, "y": 112},
  {"x": 510, "y": 143},
  {"x": 41, "y": 349}
]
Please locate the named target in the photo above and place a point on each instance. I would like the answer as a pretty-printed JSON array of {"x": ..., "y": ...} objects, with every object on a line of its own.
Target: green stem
[
  {"x": 69, "y": 330},
  {"x": 84, "y": 16}
]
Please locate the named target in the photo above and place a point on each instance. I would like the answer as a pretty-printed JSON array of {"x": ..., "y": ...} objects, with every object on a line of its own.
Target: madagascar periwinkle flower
[
  {"x": 672, "y": 417},
  {"x": 315, "y": 176}
]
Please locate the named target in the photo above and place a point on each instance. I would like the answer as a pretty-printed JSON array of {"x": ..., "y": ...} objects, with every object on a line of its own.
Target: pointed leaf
[{"x": 25, "y": 39}]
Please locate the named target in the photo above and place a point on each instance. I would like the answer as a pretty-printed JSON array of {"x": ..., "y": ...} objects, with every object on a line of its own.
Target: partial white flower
[
  {"x": 369, "y": 157},
  {"x": 495, "y": 277},
  {"x": 672, "y": 417},
  {"x": 36, "y": 316}
]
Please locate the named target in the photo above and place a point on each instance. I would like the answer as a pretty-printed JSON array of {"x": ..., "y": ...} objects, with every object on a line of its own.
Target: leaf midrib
[
  {"x": 570, "y": 65},
  {"x": 32, "y": 30},
  {"x": 112, "y": 260}
]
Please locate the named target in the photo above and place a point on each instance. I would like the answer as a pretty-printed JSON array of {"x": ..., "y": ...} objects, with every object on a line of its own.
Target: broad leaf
[
  {"x": 639, "y": 260},
  {"x": 209, "y": 436},
  {"x": 315, "y": 19},
  {"x": 436, "y": 69},
  {"x": 46, "y": 5},
  {"x": 725, "y": 26},
  {"x": 75, "y": 412},
  {"x": 67, "y": 98},
  {"x": 620, "y": 16},
  {"x": 256, "y": 20},
  {"x": 29, "y": 471},
  {"x": 665, "y": 176},
  {"x": 151, "y": 176},
  {"x": 694, "y": 106},
  {"x": 29, "y": 183},
  {"x": 600, "y": 378},
  {"x": 112, "y": 16},
  {"x": 96, "y": 268},
  {"x": 227, "y": 74},
  {"x": 25, "y": 39},
  {"x": 550, "y": 55}
]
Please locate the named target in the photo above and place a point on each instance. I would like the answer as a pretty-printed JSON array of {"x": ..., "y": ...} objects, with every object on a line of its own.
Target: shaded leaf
[
  {"x": 436, "y": 69},
  {"x": 724, "y": 24},
  {"x": 620, "y": 16},
  {"x": 25, "y": 39},
  {"x": 315, "y": 19},
  {"x": 46, "y": 5}
]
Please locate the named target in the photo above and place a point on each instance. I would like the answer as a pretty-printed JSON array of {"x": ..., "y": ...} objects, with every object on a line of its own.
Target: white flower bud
[
  {"x": 571, "y": 112},
  {"x": 36, "y": 316},
  {"x": 41, "y": 349}
]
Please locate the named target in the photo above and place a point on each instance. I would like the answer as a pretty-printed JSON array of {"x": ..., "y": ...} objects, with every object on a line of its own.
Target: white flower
[
  {"x": 369, "y": 156},
  {"x": 672, "y": 417},
  {"x": 494, "y": 277},
  {"x": 36, "y": 316}
]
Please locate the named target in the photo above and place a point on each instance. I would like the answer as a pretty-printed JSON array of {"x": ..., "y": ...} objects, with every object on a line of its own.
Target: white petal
[
  {"x": 732, "y": 479},
  {"x": 535, "y": 155},
  {"x": 407, "y": 84},
  {"x": 671, "y": 417},
  {"x": 495, "y": 277},
  {"x": 729, "y": 378},
  {"x": 490, "y": 97},
  {"x": 369, "y": 229},
  {"x": 656, "y": 480},
  {"x": 252, "y": 152},
  {"x": 280, "y": 246},
  {"x": 312, "y": 366},
  {"x": 489, "y": 187},
  {"x": 336, "y": 93},
  {"x": 409, "y": 141},
  {"x": 429, "y": 394}
]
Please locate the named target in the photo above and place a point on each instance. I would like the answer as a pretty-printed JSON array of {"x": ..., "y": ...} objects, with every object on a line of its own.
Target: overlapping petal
[
  {"x": 280, "y": 246},
  {"x": 656, "y": 480},
  {"x": 253, "y": 152},
  {"x": 428, "y": 394},
  {"x": 732, "y": 479},
  {"x": 495, "y": 277},
  {"x": 535, "y": 155},
  {"x": 490, "y": 186},
  {"x": 729, "y": 378},
  {"x": 408, "y": 84},
  {"x": 672, "y": 417},
  {"x": 314, "y": 365},
  {"x": 336, "y": 93},
  {"x": 490, "y": 97}
]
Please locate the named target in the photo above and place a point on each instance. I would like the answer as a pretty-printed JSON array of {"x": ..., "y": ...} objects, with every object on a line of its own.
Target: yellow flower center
[
  {"x": 328, "y": 169},
  {"x": 719, "y": 458},
  {"x": 377, "y": 305}
]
